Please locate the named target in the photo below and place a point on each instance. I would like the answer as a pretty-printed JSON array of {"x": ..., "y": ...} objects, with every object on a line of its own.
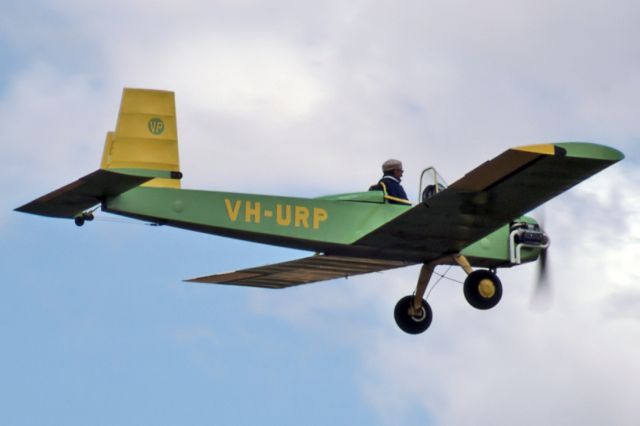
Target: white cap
[{"x": 391, "y": 164}]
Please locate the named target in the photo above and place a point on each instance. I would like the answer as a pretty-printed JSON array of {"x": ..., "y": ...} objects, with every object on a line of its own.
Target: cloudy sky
[{"x": 306, "y": 99}]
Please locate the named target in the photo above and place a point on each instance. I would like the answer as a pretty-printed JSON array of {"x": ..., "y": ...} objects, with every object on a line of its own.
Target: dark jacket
[{"x": 393, "y": 191}]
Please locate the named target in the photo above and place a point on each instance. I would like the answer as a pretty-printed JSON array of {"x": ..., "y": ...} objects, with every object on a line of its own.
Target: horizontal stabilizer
[
  {"x": 86, "y": 192},
  {"x": 302, "y": 271}
]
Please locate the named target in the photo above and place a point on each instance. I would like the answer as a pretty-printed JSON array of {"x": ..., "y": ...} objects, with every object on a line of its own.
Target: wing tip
[
  {"x": 591, "y": 150},
  {"x": 575, "y": 149}
]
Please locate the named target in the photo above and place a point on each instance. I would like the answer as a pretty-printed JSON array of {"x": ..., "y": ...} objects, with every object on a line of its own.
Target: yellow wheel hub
[{"x": 486, "y": 288}]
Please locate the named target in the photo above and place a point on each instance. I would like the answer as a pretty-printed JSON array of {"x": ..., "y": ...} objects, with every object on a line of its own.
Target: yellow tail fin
[{"x": 146, "y": 136}]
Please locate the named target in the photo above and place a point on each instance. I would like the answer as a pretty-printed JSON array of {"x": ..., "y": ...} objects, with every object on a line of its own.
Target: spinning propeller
[{"x": 542, "y": 290}]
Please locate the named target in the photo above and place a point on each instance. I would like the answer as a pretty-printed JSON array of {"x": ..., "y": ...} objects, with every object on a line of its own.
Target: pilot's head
[{"x": 393, "y": 167}]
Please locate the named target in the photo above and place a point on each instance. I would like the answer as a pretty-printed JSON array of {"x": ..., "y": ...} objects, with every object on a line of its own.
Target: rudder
[{"x": 146, "y": 137}]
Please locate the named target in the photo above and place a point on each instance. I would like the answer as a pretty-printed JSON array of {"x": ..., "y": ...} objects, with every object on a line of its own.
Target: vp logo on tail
[{"x": 156, "y": 126}]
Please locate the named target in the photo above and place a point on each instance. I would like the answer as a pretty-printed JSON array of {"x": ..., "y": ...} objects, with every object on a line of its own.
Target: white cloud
[
  {"x": 52, "y": 128},
  {"x": 308, "y": 98},
  {"x": 342, "y": 84},
  {"x": 573, "y": 363},
  {"x": 229, "y": 76},
  {"x": 562, "y": 366}
]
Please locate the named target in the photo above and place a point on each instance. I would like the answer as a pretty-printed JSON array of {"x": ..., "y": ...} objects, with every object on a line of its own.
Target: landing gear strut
[
  {"x": 413, "y": 314},
  {"x": 482, "y": 289}
]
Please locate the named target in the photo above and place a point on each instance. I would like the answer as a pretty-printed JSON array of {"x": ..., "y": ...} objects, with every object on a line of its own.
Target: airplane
[{"x": 477, "y": 222}]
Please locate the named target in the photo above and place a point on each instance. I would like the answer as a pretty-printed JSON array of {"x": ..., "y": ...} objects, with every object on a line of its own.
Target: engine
[{"x": 525, "y": 235}]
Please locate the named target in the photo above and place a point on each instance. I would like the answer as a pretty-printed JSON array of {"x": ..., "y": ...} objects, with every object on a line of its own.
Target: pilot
[{"x": 390, "y": 183}]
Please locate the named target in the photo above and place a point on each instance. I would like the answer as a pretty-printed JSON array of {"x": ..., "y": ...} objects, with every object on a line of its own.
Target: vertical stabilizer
[
  {"x": 106, "y": 153},
  {"x": 146, "y": 137}
]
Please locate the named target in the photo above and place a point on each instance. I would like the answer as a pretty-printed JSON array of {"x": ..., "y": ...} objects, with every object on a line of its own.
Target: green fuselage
[{"x": 331, "y": 225}]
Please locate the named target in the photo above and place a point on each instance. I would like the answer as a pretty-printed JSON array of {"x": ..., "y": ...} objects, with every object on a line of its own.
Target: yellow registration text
[{"x": 281, "y": 214}]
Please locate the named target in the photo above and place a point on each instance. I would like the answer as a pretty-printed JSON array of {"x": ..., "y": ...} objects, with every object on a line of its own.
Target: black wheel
[
  {"x": 88, "y": 216},
  {"x": 482, "y": 289},
  {"x": 79, "y": 220},
  {"x": 412, "y": 324}
]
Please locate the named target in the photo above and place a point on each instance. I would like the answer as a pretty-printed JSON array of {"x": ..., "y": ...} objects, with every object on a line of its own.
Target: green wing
[
  {"x": 490, "y": 196},
  {"x": 485, "y": 199}
]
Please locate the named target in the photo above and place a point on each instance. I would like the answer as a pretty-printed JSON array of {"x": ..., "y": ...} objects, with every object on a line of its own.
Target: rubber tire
[
  {"x": 472, "y": 292},
  {"x": 407, "y": 323}
]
